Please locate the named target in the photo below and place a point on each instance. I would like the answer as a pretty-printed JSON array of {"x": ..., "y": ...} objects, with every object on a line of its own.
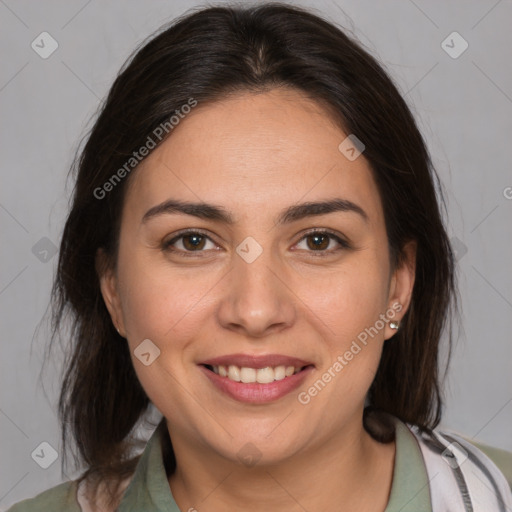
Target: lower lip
[{"x": 256, "y": 393}]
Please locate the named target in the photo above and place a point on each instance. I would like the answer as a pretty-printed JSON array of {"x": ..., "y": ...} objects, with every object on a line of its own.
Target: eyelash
[{"x": 167, "y": 245}]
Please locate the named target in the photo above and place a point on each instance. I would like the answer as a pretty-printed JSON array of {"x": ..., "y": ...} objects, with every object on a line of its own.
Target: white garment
[
  {"x": 83, "y": 496},
  {"x": 461, "y": 477}
]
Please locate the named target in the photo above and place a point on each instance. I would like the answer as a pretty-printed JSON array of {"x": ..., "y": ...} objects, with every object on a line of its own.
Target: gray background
[{"x": 464, "y": 108}]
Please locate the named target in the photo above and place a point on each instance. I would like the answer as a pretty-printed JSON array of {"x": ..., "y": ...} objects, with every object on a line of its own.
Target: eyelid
[
  {"x": 167, "y": 244},
  {"x": 188, "y": 231},
  {"x": 341, "y": 239}
]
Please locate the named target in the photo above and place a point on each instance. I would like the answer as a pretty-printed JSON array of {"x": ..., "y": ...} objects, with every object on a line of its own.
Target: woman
[{"x": 255, "y": 248}]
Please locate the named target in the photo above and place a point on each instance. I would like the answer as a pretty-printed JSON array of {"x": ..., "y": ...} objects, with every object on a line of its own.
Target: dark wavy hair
[{"x": 206, "y": 55}]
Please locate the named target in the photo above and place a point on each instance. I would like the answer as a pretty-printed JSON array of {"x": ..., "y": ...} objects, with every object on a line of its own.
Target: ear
[
  {"x": 109, "y": 290},
  {"x": 401, "y": 286}
]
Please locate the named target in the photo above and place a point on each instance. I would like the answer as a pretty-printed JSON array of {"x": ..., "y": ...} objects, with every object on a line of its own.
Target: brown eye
[
  {"x": 188, "y": 242},
  {"x": 320, "y": 241},
  {"x": 192, "y": 242}
]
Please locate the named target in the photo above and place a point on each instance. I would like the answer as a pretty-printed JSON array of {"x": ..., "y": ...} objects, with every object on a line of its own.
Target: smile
[
  {"x": 256, "y": 379},
  {"x": 250, "y": 375}
]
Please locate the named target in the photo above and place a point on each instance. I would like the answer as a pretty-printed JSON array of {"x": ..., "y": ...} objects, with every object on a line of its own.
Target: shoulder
[
  {"x": 96, "y": 499},
  {"x": 69, "y": 497},
  {"x": 461, "y": 473},
  {"x": 61, "y": 498}
]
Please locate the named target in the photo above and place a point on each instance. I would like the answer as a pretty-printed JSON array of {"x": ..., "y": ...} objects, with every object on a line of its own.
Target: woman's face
[{"x": 261, "y": 290}]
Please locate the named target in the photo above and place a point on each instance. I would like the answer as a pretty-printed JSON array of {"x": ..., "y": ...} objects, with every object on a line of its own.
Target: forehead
[{"x": 254, "y": 151}]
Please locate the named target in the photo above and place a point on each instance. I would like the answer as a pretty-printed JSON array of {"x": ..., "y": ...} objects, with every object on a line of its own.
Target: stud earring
[{"x": 394, "y": 325}]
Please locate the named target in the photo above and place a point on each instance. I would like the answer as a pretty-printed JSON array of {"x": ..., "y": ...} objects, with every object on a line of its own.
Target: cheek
[
  {"x": 349, "y": 303},
  {"x": 157, "y": 304},
  {"x": 163, "y": 307},
  {"x": 349, "y": 299}
]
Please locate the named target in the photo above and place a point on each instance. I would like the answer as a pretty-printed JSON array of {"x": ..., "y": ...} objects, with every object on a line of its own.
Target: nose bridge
[
  {"x": 255, "y": 264},
  {"x": 257, "y": 298}
]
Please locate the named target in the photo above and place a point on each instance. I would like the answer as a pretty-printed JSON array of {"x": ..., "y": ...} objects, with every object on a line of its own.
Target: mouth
[
  {"x": 248, "y": 375},
  {"x": 256, "y": 379}
]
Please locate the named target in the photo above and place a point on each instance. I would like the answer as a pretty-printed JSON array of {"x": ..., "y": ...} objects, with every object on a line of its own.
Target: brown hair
[{"x": 206, "y": 55}]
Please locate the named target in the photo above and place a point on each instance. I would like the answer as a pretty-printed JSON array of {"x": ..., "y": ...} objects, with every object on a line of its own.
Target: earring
[{"x": 394, "y": 325}]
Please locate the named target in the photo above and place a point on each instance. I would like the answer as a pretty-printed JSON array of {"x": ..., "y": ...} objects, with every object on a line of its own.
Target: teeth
[
  {"x": 279, "y": 373},
  {"x": 234, "y": 373},
  {"x": 265, "y": 375},
  {"x": 248, "y": 375},
  {"x": 251, "y": 375}
]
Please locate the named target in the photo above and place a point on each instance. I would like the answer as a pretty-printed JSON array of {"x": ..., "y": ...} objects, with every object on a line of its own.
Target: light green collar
[
  {"x": 410, "y": 490},
  {"x": 149, "y": 488}
]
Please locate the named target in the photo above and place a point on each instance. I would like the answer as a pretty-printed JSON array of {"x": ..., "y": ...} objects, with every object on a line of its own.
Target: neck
[{"x": 333, "y": 475}]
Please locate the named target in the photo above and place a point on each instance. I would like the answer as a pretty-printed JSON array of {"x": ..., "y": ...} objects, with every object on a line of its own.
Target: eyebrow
[{"x": 219, "y": 213}]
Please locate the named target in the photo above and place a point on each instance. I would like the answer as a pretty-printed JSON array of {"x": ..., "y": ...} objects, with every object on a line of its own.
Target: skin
[{"x": 255, "y": 155}]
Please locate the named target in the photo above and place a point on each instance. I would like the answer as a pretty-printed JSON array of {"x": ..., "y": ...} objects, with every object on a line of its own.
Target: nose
[{"x": 256, "y": 299}]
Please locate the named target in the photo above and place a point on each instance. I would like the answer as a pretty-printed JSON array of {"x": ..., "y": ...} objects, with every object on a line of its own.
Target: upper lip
[{"x": 256, "y": 361}]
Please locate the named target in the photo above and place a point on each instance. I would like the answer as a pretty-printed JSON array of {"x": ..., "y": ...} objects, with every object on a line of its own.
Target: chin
[{"x": 258, "y": 448}]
